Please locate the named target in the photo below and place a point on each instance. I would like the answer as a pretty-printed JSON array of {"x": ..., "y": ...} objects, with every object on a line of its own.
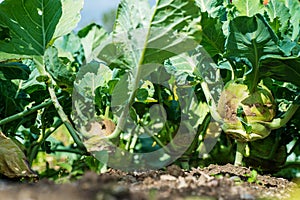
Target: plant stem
[
  {"x": 64, "y": 117},
  {"x": 40, "y": 65},
  {"x": 35, "y": 146},
  {"x": 157, "y": 140},
  {"x": 26, "y": 112},
  {"x": 69, "y": 150},
  {"x": 239, "y": 153}
]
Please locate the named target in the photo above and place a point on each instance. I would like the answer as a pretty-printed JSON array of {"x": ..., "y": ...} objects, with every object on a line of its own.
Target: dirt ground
[{"x": 210, "y": 183}]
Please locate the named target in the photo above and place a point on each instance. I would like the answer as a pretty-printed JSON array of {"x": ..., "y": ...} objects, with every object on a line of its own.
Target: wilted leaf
[{"x": 13, "y": 162}]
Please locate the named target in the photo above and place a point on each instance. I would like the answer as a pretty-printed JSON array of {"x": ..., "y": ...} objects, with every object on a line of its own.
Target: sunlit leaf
[
  {"x": 26, "y": 27},
  {"x": 69, "y": 18},
  {"x": 248, "y": 8},
  {"x": 213, "y": 7},
  {"x": 294, "y": 7},
  {"x": 279, "y": 16},
  {"x": 91, "y": 37}
]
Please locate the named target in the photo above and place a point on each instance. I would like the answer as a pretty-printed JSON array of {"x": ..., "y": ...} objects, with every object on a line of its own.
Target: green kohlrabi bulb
[{"x": 257, "y": 107}]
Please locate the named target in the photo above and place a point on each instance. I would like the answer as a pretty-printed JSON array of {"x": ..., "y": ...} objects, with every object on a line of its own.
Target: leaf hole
[
  {"x": 40, "y": 12},
  {"x": 4, "y": 34}
]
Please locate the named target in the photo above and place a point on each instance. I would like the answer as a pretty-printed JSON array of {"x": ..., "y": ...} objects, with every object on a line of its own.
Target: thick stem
[
  {"x": 240, "y": 151},
  {"x": 26, "y": 112},
  {"x": 64, "y": 117}
]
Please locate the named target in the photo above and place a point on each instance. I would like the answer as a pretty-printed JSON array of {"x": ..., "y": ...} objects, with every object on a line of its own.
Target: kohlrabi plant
[
  {"x": 256, "y": 50},
  {"x": 253, "y": 47}
]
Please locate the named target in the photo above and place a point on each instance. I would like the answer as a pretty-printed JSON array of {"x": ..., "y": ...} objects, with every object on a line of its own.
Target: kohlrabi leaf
[
  {"x": 6, "y": 57},
  {"x": 212, "y": 7},
  {"x": 279, "y": 16},
  {"x": 27, "y": 27},
  {"x": 285, "y": 69},
  {"x": 213, "y": 39},
  {"x": 248, "y": 8},
  {"x": 175, "y": 28},
  {"x": 70, "y": 17},
  {"x": 251, "y": 39},
  {"x": 294, "y": 8},
  {"x": 153, "y": 35},
  {"x": 91, "y": 37},
  {"x": 69, "y": 46},
  {"x": 14, "y": 70}
]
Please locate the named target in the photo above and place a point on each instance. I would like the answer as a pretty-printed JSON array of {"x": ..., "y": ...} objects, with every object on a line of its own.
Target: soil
[{"x": 210, "y": 183}]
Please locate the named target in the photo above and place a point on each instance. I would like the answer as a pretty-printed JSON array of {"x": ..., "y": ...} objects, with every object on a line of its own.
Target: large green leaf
[
  {"x": 14, "y": 70},
  {"x": 70, "y": 17},
  {"x": 152, "y": 35},
  {"x": 285, "y": 69},
  {"x": 213, "y": 39},
  {"x": 174, "y": 28},
  {"x": 248, "y": 7},
  {"x": 143, "y": 37},
  {"x": 26, "y": 27},
  {"x": 250, "y": 39}
]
